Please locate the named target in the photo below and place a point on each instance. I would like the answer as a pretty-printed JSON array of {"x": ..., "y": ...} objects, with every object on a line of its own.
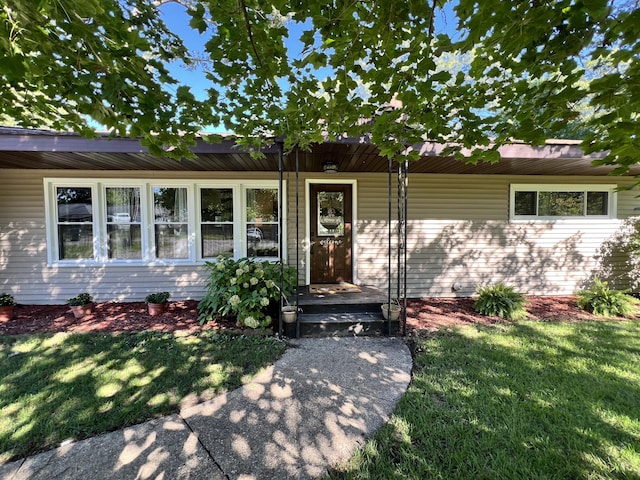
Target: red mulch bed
[
  {"x": 423, "y": 314},
  {"x": 107, "y": 317},
  {"x": 433, "y": 313}
]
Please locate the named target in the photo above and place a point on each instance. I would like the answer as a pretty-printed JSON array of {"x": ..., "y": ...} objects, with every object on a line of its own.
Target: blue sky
[{"x": 177, "y": 20}]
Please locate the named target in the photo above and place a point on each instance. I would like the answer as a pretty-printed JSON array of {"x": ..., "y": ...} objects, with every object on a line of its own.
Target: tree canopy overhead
[{"x": 469, "y": 73}]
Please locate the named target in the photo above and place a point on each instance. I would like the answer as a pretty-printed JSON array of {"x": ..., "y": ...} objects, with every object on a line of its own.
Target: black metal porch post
[
  {"x": 280, "y": 240},
  {"x": 389, "y": 251},
  {"x": 297, "y": 238}
]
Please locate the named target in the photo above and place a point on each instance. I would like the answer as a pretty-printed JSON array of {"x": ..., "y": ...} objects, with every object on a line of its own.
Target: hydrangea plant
[{"x": 244, "y": 288}]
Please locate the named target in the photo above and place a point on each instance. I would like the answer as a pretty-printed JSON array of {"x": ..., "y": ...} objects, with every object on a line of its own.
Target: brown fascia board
[
  {"x": 15, "y": 139},
  {"x": 553, "y": 148},
  {"x": 30, "y": 141},
  {"x": 569, "y": 149}
]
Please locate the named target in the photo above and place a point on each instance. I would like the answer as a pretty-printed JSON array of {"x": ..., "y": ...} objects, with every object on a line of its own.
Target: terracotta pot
[
  {"x": 80, "y": 311},
  {"x": 6, "y": 313},
  {"x": 156, "y": 308}
]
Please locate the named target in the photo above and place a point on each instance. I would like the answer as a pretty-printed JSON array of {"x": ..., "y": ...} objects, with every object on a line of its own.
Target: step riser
[
  {"x": 341, "y": 308},
  {"x": 345, "y": 329}
]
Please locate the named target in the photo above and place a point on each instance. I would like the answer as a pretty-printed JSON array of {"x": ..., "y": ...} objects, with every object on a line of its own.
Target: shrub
[
  {"x": 6, "y": 300},
  {"x": 500, "y": 300},
  {"x": 607, "y": 302},
  {"x": 244, "y": 288},
  {"x": 157, "y": 297},
  {"x": 80, "y": 299}
]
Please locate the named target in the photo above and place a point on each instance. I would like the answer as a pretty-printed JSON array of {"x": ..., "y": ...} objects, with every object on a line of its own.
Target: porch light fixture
[{"x": 330, "y": 167}]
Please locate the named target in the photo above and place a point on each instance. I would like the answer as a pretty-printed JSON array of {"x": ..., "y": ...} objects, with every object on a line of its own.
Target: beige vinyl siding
[{"x": 458, "y": 232}]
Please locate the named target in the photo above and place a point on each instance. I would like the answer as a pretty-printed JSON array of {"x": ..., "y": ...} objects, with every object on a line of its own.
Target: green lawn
[
  {"x": 72, "y": 386},
  {"x": 515, "y": 401}
]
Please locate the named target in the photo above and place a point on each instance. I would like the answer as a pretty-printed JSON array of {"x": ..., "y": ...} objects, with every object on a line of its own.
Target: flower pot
[
  {"x": 289, "y": 314},
  {"x": 80, "y": 311},
  {"x": 6, "y": 313},
  {"x": 395, "y": 311},
  {"x": 156, "y": 308}
]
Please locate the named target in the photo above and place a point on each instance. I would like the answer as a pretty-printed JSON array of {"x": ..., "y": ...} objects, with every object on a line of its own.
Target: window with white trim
[
  {"x": 74, "y": 219},
  {"x": 94, "y": 221},
  {"x": 216, "y": 222},
  {"x": 262, "y": 222},
  {"x": 549, "y": 202}
]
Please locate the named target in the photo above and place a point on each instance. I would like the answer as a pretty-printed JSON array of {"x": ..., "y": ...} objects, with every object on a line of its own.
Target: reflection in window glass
[
  {"x": 597, "y": 203},
  {"x": 262, "y": 240},
  {"x": 262, "y": 222},
  {"x": 216, "y": 229},
  {"x": 75, "y": 223},
  {"x": 525, "y": 203},
  {"x": 170, "y": 218},
  {"x": 124, "y": 233},
  {"x": 330, "y": 213},
  {"x": 560, "y": 204},
  {"x": 262, "y": 204}
]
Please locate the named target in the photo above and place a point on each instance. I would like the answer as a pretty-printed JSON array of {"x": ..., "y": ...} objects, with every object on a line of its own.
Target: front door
[{"x": 330, "y": 233}]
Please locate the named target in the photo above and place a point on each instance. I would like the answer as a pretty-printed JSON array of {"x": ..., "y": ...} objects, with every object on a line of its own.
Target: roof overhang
[{"x": 28, "y": 149}]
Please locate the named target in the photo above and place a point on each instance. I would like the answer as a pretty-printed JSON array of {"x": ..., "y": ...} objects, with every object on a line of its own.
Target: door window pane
[
  {"x": 262, "y": 222},
  {"x": 170, "y": 222},
  {"x": 330, "y": 213},
  {"x": 216, "y": 229},
  {"x": 124, "y": 233},
  {"x": 74, "y": 223}
]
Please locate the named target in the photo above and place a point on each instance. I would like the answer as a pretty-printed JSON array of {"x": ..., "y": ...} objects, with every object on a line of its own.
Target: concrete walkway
[{"x": 309, "y": 411}]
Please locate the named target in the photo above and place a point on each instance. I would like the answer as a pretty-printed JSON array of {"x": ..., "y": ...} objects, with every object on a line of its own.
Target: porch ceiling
[{"x": 70, "y": 152}]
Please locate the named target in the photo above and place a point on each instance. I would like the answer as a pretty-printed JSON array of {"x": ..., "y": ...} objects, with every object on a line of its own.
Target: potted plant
[
  {"x": 394, "y": 311},
  {"x": 7, "y": 303},
  {"x": 289, "y": 312},
  {"x": 81, "y": 304},
  {"x": 156, "y": 302}
]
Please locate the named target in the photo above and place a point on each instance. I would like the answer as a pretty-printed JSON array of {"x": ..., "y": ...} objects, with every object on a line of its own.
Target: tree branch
[{"x": 243, "y": 5}]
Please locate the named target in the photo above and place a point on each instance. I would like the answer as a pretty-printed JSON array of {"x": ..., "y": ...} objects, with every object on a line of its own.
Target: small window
[
  {"x": 560, "y": 204},
  {"x": 562, "y": 201},
  {"x": 526, "y": 203},
  {"x": 597, "y": 203}
]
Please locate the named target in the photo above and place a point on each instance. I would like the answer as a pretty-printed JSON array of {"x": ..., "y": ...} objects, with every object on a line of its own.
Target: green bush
[
  {"x": 500, "y": 300},
  {"x": 80, "y": 300},
  {"x": 6, "y": 300},
  {"x": 157, "y": 298},
  {"x": 604, "y": 301},
  {"x": 244, "y": 288}
]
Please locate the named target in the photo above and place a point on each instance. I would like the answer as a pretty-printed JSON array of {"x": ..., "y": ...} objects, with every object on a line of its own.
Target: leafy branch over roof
[{"x": 307, "y": 70}]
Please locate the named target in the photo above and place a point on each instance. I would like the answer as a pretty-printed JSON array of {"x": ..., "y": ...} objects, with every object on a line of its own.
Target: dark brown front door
[{"x": 330, "y": 233}]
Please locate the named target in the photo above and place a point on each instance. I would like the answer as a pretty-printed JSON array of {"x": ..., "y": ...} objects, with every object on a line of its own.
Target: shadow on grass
[
  {"x": 522, "y": 401},
  {"x": 72, "y": 386}
]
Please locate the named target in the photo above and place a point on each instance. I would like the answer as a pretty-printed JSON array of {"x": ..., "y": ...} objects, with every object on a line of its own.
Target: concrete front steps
[{"x": 340, "y": 320}]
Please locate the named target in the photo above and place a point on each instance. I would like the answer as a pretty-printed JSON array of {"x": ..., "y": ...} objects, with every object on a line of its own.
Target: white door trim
[{"x": 307, "y": 220}]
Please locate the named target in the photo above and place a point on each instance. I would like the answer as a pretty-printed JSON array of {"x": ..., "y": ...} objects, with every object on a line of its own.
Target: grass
[
  {"x": 72, "y": 386},
  {"x": 518, "y": 401}
]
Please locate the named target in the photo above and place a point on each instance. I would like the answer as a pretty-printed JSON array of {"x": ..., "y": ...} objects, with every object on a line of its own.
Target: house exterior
[{"x": 106, "y": 217}]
